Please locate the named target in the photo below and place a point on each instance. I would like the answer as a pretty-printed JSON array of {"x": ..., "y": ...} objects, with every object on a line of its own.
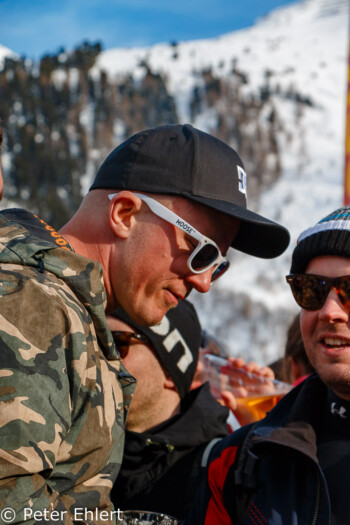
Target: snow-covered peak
[
  {"x": 6, "y": 52},
  {"x": 302, "y": 49},
  {"x": 293, "y": 43}
]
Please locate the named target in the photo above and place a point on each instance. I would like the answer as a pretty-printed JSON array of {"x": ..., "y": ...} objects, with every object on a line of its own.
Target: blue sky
[{"x": 35, "y": 27}]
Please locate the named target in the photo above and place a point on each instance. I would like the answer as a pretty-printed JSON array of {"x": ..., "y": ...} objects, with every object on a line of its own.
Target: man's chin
[
  {"x": 150, "y": 316},
  {"x": 147, "y": 318},
  {"x": 155, "y": 317},
  {"x": 338, "y": 383}
]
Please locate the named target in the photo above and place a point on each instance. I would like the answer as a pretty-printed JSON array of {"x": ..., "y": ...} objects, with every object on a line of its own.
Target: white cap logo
[{"x": 242, "y": 180}]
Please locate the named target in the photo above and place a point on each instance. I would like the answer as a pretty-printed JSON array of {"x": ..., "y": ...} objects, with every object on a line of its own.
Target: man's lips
[
  {"x": 180, "y": 294},
  {"x": 174, "y": 296},
  {"x": 335, "y": 344}
]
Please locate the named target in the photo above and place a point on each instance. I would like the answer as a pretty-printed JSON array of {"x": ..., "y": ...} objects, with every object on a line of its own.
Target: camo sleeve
[{"x": 50, "y": 409}]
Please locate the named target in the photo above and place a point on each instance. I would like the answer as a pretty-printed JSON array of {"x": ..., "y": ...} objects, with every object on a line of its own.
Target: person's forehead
[
  {"x": 186, "y": 205},
  {"x": 207, "y": 220},
  {"x": 329, "y": 265}
]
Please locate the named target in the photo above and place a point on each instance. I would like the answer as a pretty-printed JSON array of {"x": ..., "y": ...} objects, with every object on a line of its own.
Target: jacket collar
[
  {"x": 27, "y": 240},
  {"x": 294, "y": 421},
  {"x": 201, "y": 419}
]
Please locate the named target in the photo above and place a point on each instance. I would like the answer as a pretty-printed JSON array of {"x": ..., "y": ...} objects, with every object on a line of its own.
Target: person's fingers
[
  {"x": 252, "y": 367},
  {"x": 229, "y": 400},
  {"x": 238, "y": 362},
  {"x": 266, "y": 371}
]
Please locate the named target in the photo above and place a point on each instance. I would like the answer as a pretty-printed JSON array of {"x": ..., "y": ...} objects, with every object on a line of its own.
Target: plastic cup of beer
[
  {"x": 144, "y": 517},
  {"x": 255, "y": 395}
]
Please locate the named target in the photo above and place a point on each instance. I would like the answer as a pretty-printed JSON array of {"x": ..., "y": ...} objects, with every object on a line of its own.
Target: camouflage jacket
[{"x": 63, "y": 390}]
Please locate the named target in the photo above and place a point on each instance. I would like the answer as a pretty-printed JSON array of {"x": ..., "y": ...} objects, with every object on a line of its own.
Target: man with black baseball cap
[
  {"x": 171, "y": 425},
  {"x": 168, "y": 426},
  {"x": 163, "y": 210}
]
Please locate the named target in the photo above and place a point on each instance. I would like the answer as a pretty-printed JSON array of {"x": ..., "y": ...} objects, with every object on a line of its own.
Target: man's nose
[
  {"x": 200, "y": 281},
  {"x": 333, "y": 310}
]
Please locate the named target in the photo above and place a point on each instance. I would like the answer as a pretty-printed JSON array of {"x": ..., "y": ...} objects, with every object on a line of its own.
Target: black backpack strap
[
  {"x": 245, "y": 477},
  {"x": 194, "y": 464}
]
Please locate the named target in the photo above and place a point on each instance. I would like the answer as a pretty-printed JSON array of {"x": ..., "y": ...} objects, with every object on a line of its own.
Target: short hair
[{"x": 295, "y": 348}]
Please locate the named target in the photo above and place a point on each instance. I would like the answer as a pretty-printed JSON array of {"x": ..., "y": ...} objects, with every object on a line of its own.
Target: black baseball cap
[
  {"x": 175, "y": 341},
  {"x": 182, "y": 160}
]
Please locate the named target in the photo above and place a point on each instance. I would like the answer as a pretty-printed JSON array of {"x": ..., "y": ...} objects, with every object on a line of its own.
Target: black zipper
[{"x": 317, "y": 501}]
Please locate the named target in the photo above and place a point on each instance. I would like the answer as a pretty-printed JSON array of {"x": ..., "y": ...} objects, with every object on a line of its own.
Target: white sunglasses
[{"x": 205, "y": 255}]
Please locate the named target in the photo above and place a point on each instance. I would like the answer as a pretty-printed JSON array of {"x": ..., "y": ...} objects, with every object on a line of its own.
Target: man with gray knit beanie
[{"x": 293, "y": 467}]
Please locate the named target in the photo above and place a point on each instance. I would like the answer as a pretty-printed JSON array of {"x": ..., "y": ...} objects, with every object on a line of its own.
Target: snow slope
[{"x": 304, "y": 47}]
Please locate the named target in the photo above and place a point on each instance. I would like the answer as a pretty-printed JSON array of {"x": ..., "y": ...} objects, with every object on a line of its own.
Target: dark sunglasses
[
  {"x": 310, "y": 291},
  {"x": 125, "y": 339}
]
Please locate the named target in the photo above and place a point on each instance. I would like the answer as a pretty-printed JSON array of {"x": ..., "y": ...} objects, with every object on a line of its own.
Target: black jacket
[
  {"x": 269, "y": 473},
  {"x": 161, "y": 468}
]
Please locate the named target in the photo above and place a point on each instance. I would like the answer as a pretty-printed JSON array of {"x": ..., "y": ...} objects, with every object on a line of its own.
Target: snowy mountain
[
  {"x": 5, "y": 52},
  {"x": 302, "y": 47},
  {"x": 290, "y": 71}
]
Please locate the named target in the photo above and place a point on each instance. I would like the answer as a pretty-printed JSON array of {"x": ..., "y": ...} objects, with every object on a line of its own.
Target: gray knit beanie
[{"x": 330, "y": 236}]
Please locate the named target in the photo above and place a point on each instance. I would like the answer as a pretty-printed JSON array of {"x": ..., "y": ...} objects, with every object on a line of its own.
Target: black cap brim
[{"x": 257, "y": 235}]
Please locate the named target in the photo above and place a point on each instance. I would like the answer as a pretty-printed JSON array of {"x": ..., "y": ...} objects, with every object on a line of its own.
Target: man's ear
[
  {"x": 169, "y": 383},
  {"x": 122, "y": 210}
]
